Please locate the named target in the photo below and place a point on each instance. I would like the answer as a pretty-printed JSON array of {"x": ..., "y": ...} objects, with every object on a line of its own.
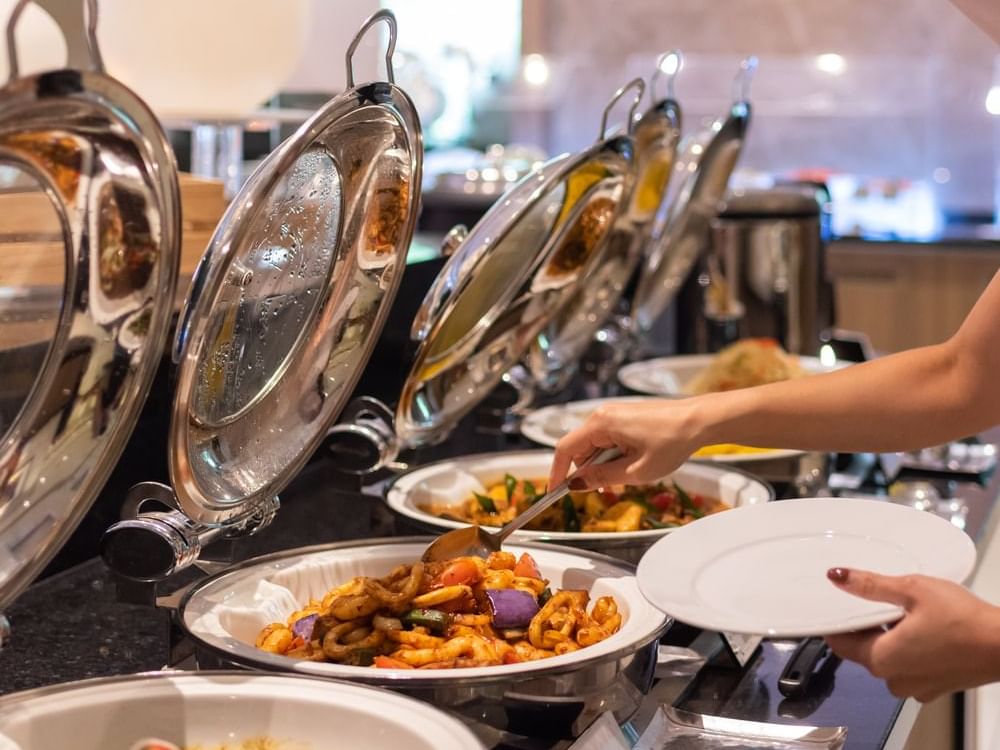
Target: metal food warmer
[
  {"x": 280, "y": 320},
  {"x": 281, "y": 316}
]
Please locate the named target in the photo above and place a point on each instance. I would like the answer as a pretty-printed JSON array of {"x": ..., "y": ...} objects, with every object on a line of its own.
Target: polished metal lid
[
  {"x": 699, "y": 181},
  {"x": 555, "y": 352},
  {"x": 657, "y": 133},
  {"x": 106, "y": 166},
  {"x": 506, "y": 279},
  {"x": 291, "y": 295}
]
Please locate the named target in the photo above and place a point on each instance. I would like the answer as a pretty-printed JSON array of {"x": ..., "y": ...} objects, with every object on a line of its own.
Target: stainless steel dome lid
[
  {"x": 104, "y": 162},
  {"x": 657, "y": 133},
  {"x": 554, "y": 353},
  {"x": 507, "y": 278},
  {"x": 699, "y": 182},
  {"x": 291, "y": 296}
]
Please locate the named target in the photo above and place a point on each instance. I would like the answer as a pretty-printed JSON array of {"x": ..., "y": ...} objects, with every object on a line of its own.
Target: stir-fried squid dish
[
  {"x": 466, "y": 612},
  {"x": 745, "y": 364},
  {"x": 618, "y": 508}
]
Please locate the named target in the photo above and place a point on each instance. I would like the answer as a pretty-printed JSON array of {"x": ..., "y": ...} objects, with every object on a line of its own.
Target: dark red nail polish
[
  {"x": 838, "y": 575},
  {"x": 577, "y": 484}
]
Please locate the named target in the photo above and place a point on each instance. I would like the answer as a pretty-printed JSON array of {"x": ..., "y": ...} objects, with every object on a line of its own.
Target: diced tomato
[
  {"x": 511, "y": 658},
  {"x": 387, "y": 662},
  {"x": 527, "y": 567},
  {"x": 609, "y": 497},
  {"x": 698, "y": 501},
  {"x": 662, "y": 501},
  {"x": 460, "y": 571}
]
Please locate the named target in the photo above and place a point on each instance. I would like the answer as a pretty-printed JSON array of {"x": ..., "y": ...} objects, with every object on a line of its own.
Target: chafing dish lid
[
  {"x": 291, "y": 295},
  {"x": 560, "y": 345},
  {"x": 107, "y": 168},
  {"x": 701, "y": 174},
  {"x": 506, "y": 279}
]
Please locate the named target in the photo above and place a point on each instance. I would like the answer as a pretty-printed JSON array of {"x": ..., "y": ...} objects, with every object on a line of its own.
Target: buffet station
[{"x": 280, "y": 590}]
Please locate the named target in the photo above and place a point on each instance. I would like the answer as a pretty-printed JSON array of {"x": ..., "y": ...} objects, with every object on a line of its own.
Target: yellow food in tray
[
  {"x": 729, "y": 449},
  {"x": 619, "y": 508},
  {"x": 745, "y": 364},
  {"x": 466, "y": 612}
]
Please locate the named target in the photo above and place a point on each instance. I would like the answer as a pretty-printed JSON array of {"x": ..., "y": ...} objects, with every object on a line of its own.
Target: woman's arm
[{"x": 909, "y": 400}]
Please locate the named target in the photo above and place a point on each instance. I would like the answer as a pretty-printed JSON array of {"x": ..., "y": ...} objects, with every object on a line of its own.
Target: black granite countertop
[{"x": 71, "y": 626}]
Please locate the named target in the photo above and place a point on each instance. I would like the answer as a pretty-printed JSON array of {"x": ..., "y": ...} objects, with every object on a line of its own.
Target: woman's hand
[
  {"x": 948, "y": 640},
  {"x": 655, "y": 436}
]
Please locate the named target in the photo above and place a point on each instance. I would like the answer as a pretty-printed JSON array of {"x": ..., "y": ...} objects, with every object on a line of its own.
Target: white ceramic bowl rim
[
  {"x": 741, "y": 486},
  {"x": 209, "y": 606},
  {"x": 421, "y": 718}
]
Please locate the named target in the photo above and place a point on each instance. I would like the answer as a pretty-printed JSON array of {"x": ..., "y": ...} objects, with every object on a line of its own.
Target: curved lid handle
[
  {"x": 390, "y": 20},
  {"x": 743, "y": 79},
  {"x": 640, "y": 88},
  {"x": 14, "y": 64},
  {"x": 668, "y": 65}
]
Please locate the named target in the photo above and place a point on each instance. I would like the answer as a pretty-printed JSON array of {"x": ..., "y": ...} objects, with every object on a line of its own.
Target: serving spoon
[{"x": 475, "y": 541}]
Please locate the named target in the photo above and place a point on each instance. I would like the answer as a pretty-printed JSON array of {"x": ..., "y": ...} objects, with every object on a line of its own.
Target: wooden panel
[
  {"x": 29, "y": 264},
  {"x": 24, "y": 214},
  {"x": 904, "y": 296}
]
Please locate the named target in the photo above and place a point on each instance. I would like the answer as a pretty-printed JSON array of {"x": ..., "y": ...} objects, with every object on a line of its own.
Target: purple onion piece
[
  {"x": 511, "y": 608},
  {"x": 303, "y": 627}
]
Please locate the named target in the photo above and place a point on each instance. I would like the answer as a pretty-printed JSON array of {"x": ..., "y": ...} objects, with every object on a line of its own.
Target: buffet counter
[{"x": 73, "y": 626}]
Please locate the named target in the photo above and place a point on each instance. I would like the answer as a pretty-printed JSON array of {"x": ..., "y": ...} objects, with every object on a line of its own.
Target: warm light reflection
[
  {"x": 536, "y": 70},
  {"x": 827, "y": 357},
  {"x": 670, "y": 63},
  {"x": 831, "y": 63},
  {"x": 993, "y": 101}
]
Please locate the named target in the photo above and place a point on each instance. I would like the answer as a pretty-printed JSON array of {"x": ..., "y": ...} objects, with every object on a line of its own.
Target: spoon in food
[{"x": 474, "y": 541}]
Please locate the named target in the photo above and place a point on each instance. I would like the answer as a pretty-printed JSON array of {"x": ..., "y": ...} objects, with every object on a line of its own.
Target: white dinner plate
[
  {"x": 761, "y": 569},
  {"x": 669, "y": 376},
  {"x": 547, "y": 425}
]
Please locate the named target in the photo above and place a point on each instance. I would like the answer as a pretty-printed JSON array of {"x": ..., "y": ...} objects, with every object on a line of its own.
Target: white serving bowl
[
  {"x": 224, "y": 614},
  {"x": 209, "y": 710},
  {"x": 453, "y": 480}
]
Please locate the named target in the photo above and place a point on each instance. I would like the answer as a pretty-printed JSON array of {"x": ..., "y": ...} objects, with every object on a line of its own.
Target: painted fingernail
[
  {"x": 577, "y": 484},
  {"x": 838, "y": 575}
]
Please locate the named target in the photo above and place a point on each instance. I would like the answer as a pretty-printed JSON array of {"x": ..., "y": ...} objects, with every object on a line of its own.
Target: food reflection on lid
[
  {"x": 386, "y": 217},
  {"x": 128, "y": 252},
  {"x": 581, "y": 239},
  {"x": 58, "y": 154}
]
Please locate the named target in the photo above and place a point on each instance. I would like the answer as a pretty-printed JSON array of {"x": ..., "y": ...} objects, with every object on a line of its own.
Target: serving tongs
[{"x": 475, "y": 541}]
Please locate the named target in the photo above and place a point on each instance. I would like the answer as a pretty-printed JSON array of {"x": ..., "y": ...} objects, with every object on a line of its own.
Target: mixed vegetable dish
[{"x": 621, "y": 508}]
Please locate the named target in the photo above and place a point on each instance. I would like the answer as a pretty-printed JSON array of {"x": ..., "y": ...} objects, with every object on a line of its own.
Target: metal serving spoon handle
[
  {"x": 476, "y": 541},
  {"x": 560, "y": 490}
]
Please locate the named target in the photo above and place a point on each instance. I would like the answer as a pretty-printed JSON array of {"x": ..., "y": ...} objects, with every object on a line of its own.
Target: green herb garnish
[
  {"x": 486, "y": 503},
  {"x": 687, "y": 503},
  {"x": 510, "y": 484}
]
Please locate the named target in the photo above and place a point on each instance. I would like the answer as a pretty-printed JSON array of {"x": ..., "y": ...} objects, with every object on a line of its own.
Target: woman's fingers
[
  {"x": 603, "y": 475},
  {"x": 899, "y": 590},
  {"x": 855, "y": 646}
]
